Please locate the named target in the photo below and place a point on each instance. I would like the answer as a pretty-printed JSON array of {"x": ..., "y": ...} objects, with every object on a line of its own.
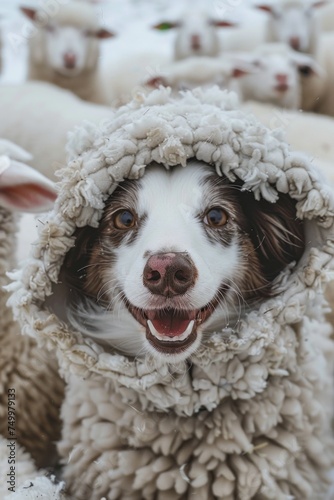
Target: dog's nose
[{"x": 169, "y": 274}]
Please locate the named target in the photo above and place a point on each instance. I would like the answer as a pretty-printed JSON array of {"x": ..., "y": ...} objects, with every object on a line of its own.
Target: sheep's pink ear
[
  {"x": 29, "y": 12},
  {"x": 321, "y": 3},
  {"x": 239, "y": 72},
  {"x": 23, "y": 189},
  {"x": 266, "y": 8},
  {"x": 156, "y": 82},
  {"x": 223, "y": 24},
  {"x": 242, "y": 68},
  {"x": 103, "y": 34},
  {"x": 166, "y": 25}
]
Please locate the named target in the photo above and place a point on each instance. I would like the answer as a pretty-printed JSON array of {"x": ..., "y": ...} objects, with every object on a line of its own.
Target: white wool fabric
[
  {"x": 40, "y": 488},
  {"x": 25, "y": 485},
  {"x": 249, "y": 415}
]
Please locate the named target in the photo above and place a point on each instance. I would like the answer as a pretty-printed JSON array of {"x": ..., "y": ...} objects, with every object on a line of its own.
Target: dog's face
[{"x": 177, "y": 255}]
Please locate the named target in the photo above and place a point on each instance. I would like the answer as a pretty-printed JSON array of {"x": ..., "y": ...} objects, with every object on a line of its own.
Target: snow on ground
[{"x": 130, "y": 19}]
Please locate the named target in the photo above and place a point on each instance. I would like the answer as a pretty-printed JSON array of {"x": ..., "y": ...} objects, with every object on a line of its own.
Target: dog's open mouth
[{"x": 171, "y": 331}]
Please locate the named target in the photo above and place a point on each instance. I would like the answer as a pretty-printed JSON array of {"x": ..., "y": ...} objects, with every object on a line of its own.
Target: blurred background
[{"x": 131, "y": 20}]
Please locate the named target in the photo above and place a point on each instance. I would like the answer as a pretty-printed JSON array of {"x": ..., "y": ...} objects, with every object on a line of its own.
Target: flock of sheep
[
  {"x": 281, "y": 68},
  {"x": 285, "y": 59}
]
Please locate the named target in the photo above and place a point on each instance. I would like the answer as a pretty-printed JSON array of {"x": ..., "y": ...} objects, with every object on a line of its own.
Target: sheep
[
  {"x": 205, "y": 72},
  {"x": 30, "y": 386},
  {"x": 273, "y": 73},
  {"x": 293, "y": 22},
  {"x": 282, "y": 74},
  {"x": 142, "y": 73},
  {"x": 64, "y": 49},
  {"x": 298, "y": 79},
  {"x": 196, "y": 33},
  {"x": 38, "y": 117}
]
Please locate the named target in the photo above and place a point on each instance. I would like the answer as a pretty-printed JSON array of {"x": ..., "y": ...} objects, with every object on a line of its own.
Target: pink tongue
[{"x": 170, "y": 324}]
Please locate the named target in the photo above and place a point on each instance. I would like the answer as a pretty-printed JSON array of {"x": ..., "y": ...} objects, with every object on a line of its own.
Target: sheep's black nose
[{"x": 169, "y": 274}]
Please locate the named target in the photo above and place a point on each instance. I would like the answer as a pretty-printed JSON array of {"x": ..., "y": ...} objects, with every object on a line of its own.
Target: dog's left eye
[
  {"x": 124, "y": 219},
  {"x": 216, "y": 217}
]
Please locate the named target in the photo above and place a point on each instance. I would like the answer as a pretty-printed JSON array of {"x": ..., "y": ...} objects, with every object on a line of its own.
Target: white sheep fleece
[
  {"x": 29, "y": 112},
  {"x": 250, "y": 416}
]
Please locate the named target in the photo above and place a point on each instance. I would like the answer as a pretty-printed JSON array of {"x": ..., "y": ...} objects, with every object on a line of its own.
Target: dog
[{"x": 178, "y": 255}]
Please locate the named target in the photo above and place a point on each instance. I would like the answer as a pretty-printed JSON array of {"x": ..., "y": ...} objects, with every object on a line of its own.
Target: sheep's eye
[
  {"x": 166, "y": 26},
  {"x": 216, "y": 217},
  {"x": 124, "y": 219},
  {"x": 305, "y": 70},
  {"x": 257, "y": 64}
]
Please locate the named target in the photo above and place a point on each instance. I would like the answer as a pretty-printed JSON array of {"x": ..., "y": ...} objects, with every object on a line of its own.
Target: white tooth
[{"x": 183, "y": 335}]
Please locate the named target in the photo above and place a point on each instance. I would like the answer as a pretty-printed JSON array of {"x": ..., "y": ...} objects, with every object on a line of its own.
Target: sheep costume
[{"x": 250, "y": 416}]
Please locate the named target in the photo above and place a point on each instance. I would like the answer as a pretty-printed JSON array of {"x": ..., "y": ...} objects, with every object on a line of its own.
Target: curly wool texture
[
  {"x": 250, "y": 416},
  {"x": 24, "y": 369}
]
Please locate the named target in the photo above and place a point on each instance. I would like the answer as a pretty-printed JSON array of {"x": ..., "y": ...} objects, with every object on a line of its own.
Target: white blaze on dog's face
[{"x": 170, "y": 261}]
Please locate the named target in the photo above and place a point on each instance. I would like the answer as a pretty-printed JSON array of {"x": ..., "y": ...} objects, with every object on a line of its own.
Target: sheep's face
[
  {"x": 277, "y": 79},
  {"x": 293, "y": 26},
  {"x": 197, "y": 35},
  {"x": 293, "y": 23},
  {"x": 177, "y": 255},
  {"x": 68, "y": 47}
]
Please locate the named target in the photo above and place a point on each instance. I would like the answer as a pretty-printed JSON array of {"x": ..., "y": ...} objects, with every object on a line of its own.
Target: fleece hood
[{"x": 280, "y": 337}]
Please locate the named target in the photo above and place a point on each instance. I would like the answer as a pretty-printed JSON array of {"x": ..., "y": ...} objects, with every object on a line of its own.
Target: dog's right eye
[
  {"x": 124, "y": 219},
  {"x": 216, "y": 217}
]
